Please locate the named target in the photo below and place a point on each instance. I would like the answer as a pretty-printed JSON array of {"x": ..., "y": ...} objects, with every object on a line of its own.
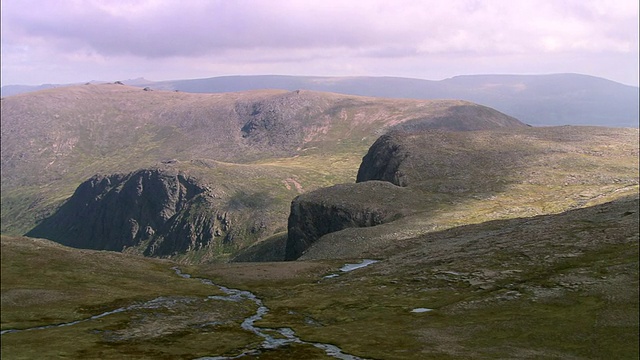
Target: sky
[{"x": 72, "y": 41}]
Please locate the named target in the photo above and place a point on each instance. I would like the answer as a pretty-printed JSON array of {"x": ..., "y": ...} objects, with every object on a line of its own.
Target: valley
[
  {"x": 549, "y": 286},
  {"x": 219, "y": 226}
]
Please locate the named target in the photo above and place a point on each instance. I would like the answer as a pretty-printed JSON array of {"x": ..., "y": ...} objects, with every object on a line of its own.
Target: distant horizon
[
  {"x": 310, "y": 76},
  {"x": 63, "y": 42}
]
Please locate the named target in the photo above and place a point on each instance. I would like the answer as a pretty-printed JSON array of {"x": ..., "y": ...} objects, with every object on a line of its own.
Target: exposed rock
[
  {"x": 338, "y": 207},
  {"x": 382, "y": 161},
  {"x": 434, "y": 170},
  {"x": 160, "y": 213}
]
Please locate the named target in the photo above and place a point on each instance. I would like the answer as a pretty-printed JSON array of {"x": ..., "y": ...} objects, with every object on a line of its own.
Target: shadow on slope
[{"x": 444, "y": 179}]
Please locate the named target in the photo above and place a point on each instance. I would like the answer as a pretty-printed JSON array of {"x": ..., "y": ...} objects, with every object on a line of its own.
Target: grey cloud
[
  {"x": 325, "y": 36},
  {"x": 187, "y": 28}
]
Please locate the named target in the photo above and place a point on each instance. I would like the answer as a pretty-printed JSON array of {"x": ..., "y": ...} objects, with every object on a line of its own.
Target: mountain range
[
  {"x": 541, "y": 100},
  {"x": 202, "y": 174},
  {"x": 483, "y": 236}
]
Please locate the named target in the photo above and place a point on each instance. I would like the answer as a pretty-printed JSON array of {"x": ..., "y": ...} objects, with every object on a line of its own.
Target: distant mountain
[
  {"x": 9, "y": 90},
  {"x": 557, "y": 99}
]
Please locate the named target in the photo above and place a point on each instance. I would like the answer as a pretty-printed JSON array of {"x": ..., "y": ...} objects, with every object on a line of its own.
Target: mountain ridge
[
  {"x": 255, "y": 150},
  {"x": 554, "y": 99}
]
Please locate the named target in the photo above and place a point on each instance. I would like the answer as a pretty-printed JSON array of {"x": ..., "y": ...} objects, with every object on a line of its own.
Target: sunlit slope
[
  {"x": 239, "y": 144},
  {"x": 439, "y": 179}
]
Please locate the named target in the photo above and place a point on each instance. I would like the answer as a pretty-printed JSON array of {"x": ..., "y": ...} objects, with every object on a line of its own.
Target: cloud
[{"x": 290, "y": 31}]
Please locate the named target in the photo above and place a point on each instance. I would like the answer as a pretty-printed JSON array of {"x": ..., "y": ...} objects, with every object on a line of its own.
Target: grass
[
  {"x": 44, "y": 283},
  {"x": 560, "y": 288},
  {"x": 556, "y": 286}
]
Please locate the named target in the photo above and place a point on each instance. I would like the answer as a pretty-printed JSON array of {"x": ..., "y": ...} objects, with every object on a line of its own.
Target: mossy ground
[
  {"x": 563, "y": 286},
  {"x": 556, "y": 286}
]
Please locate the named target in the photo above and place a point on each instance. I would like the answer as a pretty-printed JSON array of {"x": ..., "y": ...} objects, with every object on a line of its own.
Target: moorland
[{"x": 491, "y": 238}]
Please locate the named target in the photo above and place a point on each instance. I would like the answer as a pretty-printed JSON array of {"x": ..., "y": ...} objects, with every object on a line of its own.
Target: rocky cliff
[
  {"x": 335, "y": 208},
  {"x": 434, "y": 178},
  {"x": 383, "y": 160},
  {"x": 158, "y": 213}
]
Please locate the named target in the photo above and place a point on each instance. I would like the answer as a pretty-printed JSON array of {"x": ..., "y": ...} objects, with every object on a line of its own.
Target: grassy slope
[
  {"x": 55, "y": 139},
  {"x": 465, "y": 178},
  {"x": 561, "y": 286},
  {"x": 555, "y": 286},
  {"x": 46, "y": 283}
]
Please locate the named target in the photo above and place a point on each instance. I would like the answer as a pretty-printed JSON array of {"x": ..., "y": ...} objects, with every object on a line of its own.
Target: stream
[
  {"x": 287, "y": 335},
  {"x": 273, "y": 338}
]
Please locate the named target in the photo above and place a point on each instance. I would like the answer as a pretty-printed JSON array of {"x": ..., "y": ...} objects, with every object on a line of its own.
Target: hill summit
[{"x": 254, "y": 151}]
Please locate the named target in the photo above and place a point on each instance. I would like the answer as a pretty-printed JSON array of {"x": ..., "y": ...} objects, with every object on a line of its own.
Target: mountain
[
  {"x": 502, "y": 241},
  {"x": 244, "y": 156},
  {"x": 9, "y": 90},
  {"x": 556, "y": 99},
  {"x": 414, "y": 182},
  {"x": 553, "y": 286}
]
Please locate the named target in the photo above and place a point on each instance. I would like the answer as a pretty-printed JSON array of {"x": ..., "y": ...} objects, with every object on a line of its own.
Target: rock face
[
  {"x": 419, "y": 175},
  {"x": 158, "y": 212},
  {"x": 339, "y": 207},
  {"x": 383, "y": 160}
]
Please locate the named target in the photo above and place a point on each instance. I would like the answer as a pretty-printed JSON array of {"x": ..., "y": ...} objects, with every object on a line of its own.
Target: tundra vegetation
[{"x": 521, "y": 242}]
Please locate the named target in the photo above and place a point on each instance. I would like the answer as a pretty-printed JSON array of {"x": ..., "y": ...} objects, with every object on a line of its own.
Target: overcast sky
[{"x": 68, "y": 41}]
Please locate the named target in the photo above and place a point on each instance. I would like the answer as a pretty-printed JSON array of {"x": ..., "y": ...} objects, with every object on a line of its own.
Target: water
[
  {"x": 287, "y": 335},
  {"x": 351, "y": 267},
  {"x": 94, "y": 317},
  {"x": 363, "y": 263},
  {"x": 421, "y": 310},
  {"x": 270, "y": 342}
]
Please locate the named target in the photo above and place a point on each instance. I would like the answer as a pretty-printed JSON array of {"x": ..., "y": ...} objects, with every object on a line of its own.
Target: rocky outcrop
[
  {"x": 450, "y": 162},
  {"x": 383, "y": 160},
  {"x": 420, "y": 174},
  {"x": 158, "y": 212},
  {"x": 339, "y": 207}
]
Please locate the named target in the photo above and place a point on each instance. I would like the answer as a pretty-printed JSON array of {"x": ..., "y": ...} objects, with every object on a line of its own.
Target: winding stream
[
  {"x": 273, "y": 338},
  {"x": 287, "y": 335}
]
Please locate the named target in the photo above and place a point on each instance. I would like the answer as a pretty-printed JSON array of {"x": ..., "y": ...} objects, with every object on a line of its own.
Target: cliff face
[
  {"x": 160, "y": 213},
  {"x": 383, "y": 160},
  {"x": 420, "y": 175},
  {"x": 339, "y": 207}
]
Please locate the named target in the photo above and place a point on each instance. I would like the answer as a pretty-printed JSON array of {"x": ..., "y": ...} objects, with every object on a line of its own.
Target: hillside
[
  {"x": 552, "y": 286},
  {"x": 542, "y": 100},
  {"x": 254, "y": 150},
  {"x": 555, "y": 99},
  {"x": 503, "y": 241},
  {"x": 412, "y": 183}
]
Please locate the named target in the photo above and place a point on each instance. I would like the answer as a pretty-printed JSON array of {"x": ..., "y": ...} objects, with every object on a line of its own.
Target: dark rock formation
[
  {"x": 382, "y": 161},
  {"x": 339, "y": 207},
  {"x": 159, "y": 212}
]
